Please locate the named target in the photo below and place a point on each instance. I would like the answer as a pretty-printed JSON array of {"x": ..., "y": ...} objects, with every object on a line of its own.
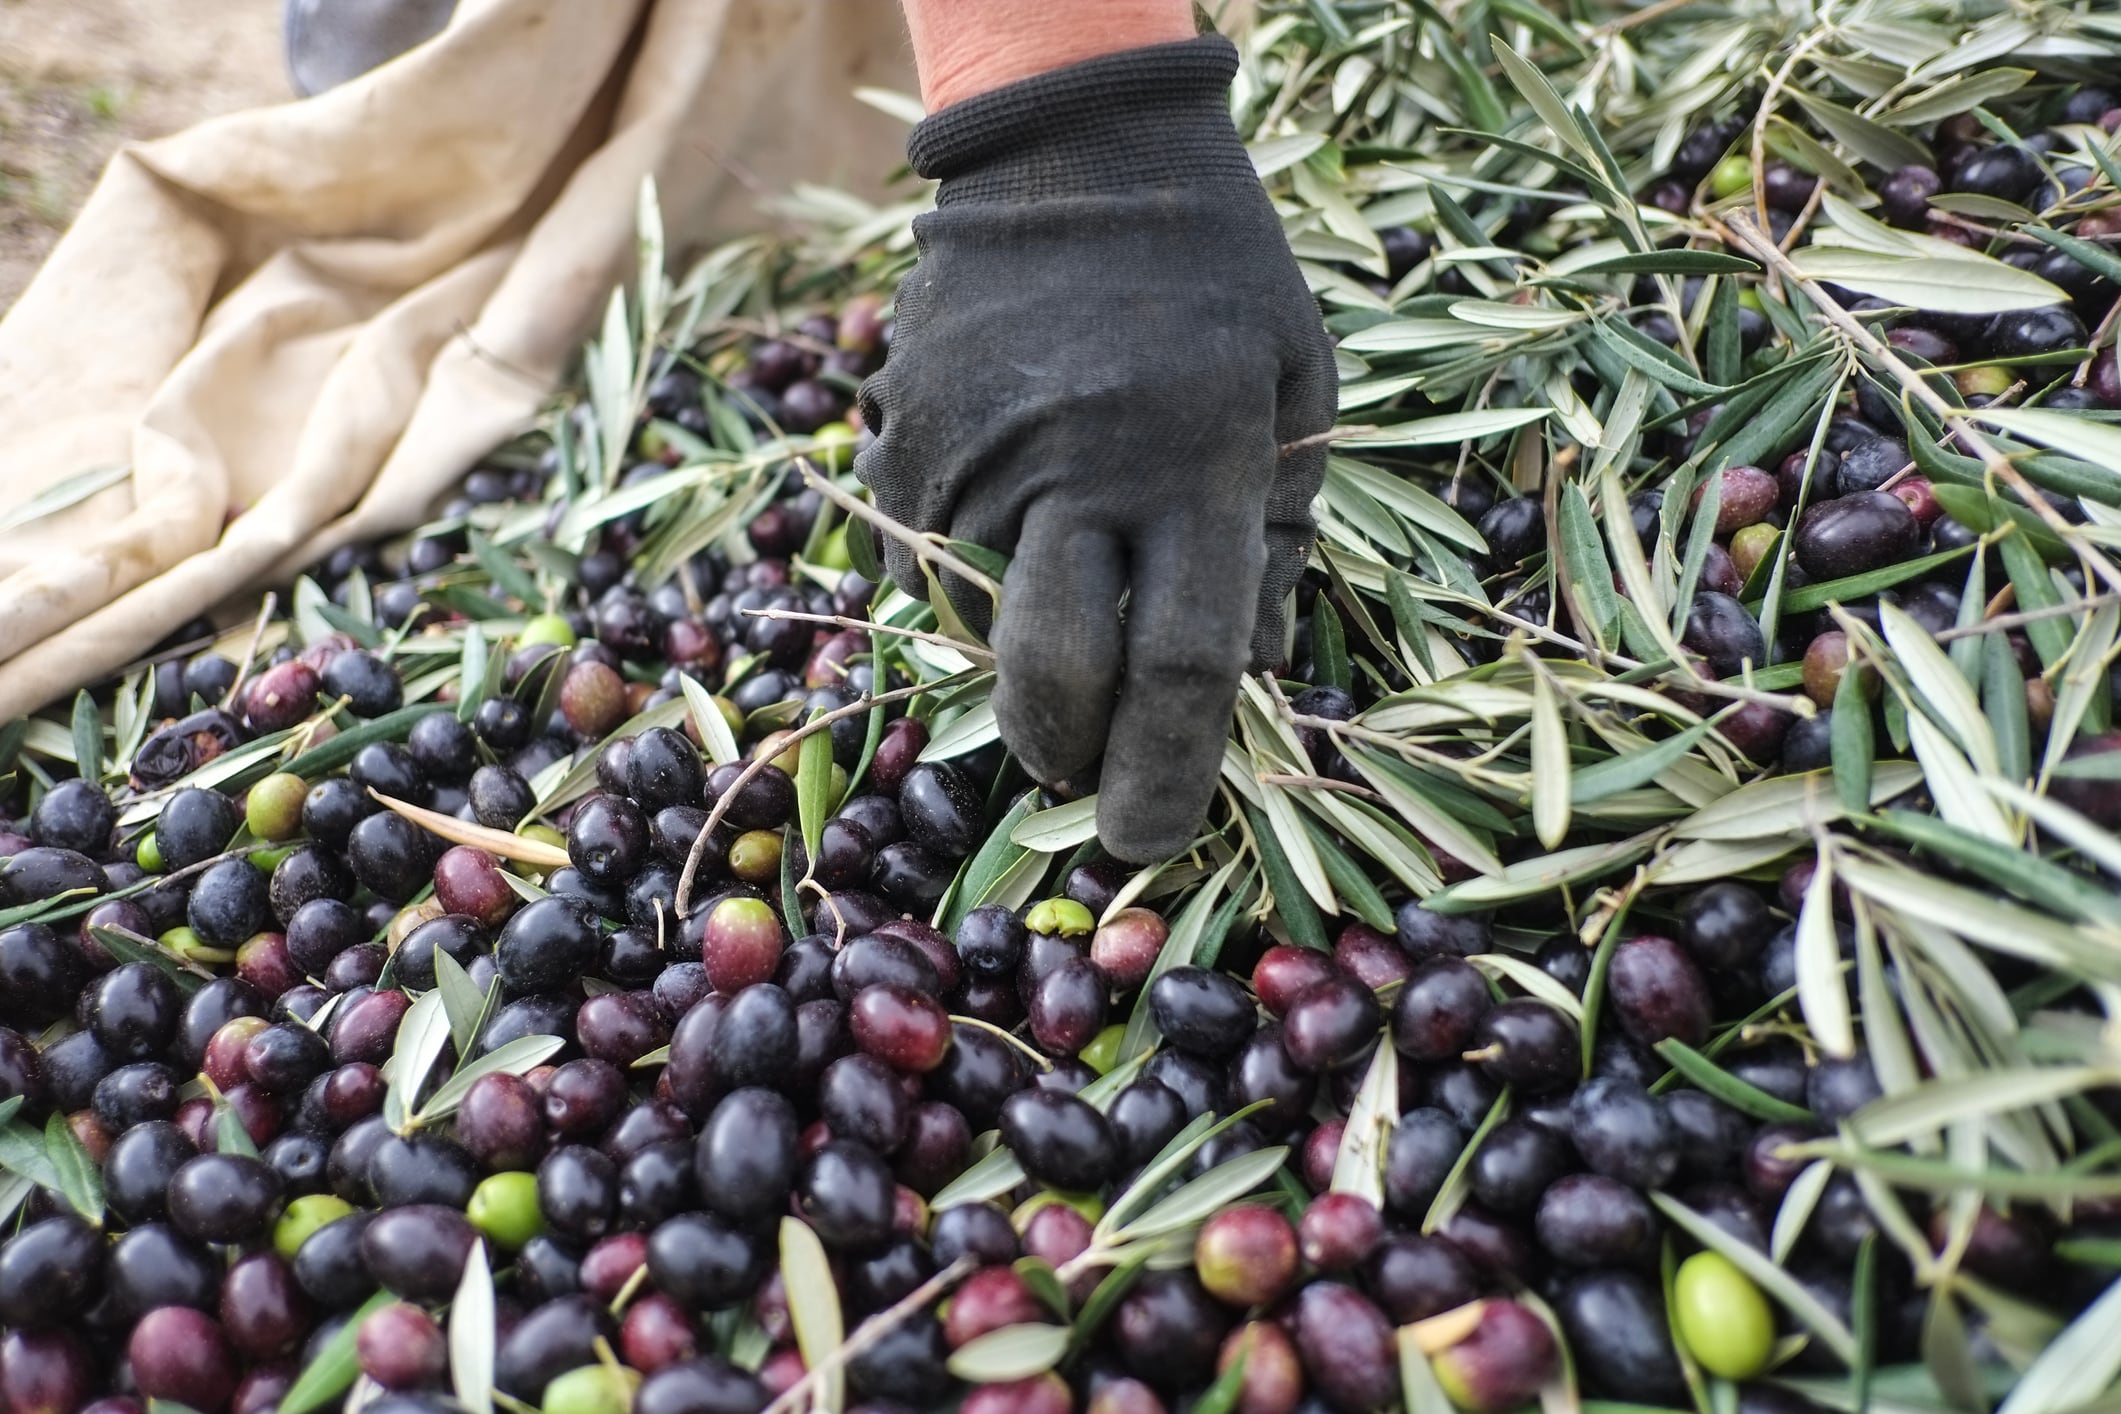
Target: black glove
[{"x": 1093, "y": 367}]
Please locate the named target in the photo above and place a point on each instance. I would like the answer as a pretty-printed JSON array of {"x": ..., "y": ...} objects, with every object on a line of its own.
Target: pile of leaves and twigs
[{"x": 1653, "y": 944}]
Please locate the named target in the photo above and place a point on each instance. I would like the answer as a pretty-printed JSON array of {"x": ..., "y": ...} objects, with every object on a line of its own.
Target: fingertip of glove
[
  {"x": 1139, "y": 833},
  {"x": 904, "y": 567}
]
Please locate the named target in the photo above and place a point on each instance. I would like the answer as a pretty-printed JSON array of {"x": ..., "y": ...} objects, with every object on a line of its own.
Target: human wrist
[{"x": 965, "y": 48}]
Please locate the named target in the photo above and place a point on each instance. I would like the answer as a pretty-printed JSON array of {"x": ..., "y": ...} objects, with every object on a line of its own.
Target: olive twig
[
  {"x": 1320, "y": 439},
  {"x": 1998, "y": 465},
  {"x": 760, "y": 763},
  {"x": 2099, "y": 338},
  {"x": 2004, "y": 622},
  {"x": 869, "y": 1332},
  {"x": 1758, "y": 146},
  {"x": 944, "y": 640},
  {"x": 922, "y": 547},
  {"x": 1275, "y": 778},
  {"x": 250, "y": 654}
]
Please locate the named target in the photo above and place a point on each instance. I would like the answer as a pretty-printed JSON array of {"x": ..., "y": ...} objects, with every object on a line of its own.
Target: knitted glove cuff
[{"x": 1157, "y": 116}]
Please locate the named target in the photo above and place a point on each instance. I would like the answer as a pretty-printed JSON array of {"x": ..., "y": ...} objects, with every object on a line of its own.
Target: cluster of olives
[
  {"x": 1860, "y": 506},
  {"x": 212, "y": 1006},
  {"x": 717, "y": 1074},
  {"x": 840, "y": 1076}
]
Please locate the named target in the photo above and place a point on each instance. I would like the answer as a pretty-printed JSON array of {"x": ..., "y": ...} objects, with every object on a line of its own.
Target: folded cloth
[{"x": 294, "y": 327}]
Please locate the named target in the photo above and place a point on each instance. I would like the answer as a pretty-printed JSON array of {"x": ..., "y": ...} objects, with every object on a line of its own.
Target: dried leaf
[{"x": 497, "y": 842}]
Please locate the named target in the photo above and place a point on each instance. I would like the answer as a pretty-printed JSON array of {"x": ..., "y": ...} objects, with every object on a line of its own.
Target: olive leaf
[
  {"x": 813, "y": 1302},
  {"x": 1010, "y": 1353},
  {"x": 1179, "y": 1149},
  {"x": 1799, "y": 1201},
  {"x": 1200, "y": 1199},
  {"x": 1821, "y": 992},
  {"x": 1777, "y": 1283},
  {"x": 520, "y": 848},
  {"x": 1550, "y": 764},
  {"x": 1061, "y": 827},
  {"x": 79, "y": 1180},
  {"x": 707, "y": 720},
  {"x": 1740, "y": 1095},
  {"x": 524, "y": 1054},
  {"x": 422, "y": 1034},
  {"x": 335, "y": 1367},
  {"x": 462, "y": 1003},
  {"x": 1358, "y": 1165},
  {"x": 2077, "y": 1365},
  {"x": 472, "y": 1333},
  {"x": 1417, "y": 1380}
]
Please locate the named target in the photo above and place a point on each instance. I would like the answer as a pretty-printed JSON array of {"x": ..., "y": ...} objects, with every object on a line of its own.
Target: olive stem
[
  {"x": 2004, "y": 622},
  {"x": 1043, "y": 1061},
  {"x": 250, "y": 654},
  {"x": 1758, "y": 146},
  {"x": 1998, "y": 465},
  {"x": 155, "y": 945},
  {"x": 869, "y": 1332},
  {"x": 2099, "y": 337},
  {"x": 760, "y": 763},
  {"x": 913, "y": 540},
  {"x": 970, "y": 650},
  {"x": 1320, "y": 439},
  {"x": 1275, "y": 778},
  {"x": 1643, "y": 16}
]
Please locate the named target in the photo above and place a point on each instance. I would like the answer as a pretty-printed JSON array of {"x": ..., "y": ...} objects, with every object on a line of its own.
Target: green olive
[
  {"x": 1060, "y": 915},
  {"x": 1752, "y": 544},
  {"x": 834, "y": 445},
  {"x": 1731, "y": 176},
  {"x": 592, "y": 1389},
  {"x": 273, "y": 809},
  {"x": 832, "y": 553},
  {"x": 188, "y": 945},
  {"x": 148, "y": 854},
  {"x": 1726, "y": 1324},
  {"x": 755, "y": 856},
  {"x": 547, "y": 628},
  {"x": 1103, "y": 1051},
  {"x": 267, "y": 860},
  {"x": 1984, "y": 380},
  {"x": 303, "y": 1217},
  {"x": 505, "y": 1208}
]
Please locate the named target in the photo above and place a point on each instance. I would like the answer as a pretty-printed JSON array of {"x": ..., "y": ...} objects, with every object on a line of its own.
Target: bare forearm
[{"x": 969, "y": 47}]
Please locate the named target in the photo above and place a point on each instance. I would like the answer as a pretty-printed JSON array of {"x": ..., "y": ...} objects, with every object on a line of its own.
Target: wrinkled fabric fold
[{"x": 296, "y": 326}]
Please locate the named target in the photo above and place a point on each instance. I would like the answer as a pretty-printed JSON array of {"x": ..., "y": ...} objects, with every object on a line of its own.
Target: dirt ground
[{"x": 79, "y": 77}]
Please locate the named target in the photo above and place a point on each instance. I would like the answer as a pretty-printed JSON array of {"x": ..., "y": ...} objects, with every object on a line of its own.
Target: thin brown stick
[
  {"x": 1276, "y": 778},
  {"x": 1643, "y": 16},
  {"x": 970, "y": 650},
  {"x": 1320, "y": 439},
  {"x": 869, "y": 1332},
  {"x": 760, "y": 763},
  {"x": 2100, "y": 337},
  {"x": 257, "y": 636},
  {"x": 2005, "y": 622},
  {"x": 913, "y": 540},
  {"x": 1758, "y": 146}
]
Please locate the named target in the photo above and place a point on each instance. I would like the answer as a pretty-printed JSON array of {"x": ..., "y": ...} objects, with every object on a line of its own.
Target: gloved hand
[{"x": 1093, "y": 366}]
